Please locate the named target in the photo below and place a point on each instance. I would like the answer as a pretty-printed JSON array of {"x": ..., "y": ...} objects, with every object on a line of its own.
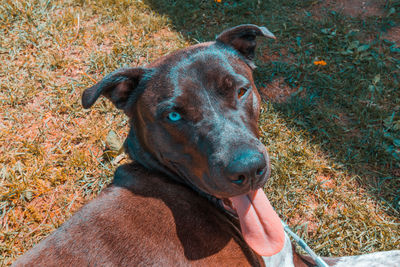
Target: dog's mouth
[{"x": 261, "y": 226}]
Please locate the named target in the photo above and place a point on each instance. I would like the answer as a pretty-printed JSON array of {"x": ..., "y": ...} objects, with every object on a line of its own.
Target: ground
[{"x": 333, "y": 130}]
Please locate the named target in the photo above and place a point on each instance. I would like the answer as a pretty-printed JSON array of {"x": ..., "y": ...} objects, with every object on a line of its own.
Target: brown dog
[{"x": 193, "y": 196}]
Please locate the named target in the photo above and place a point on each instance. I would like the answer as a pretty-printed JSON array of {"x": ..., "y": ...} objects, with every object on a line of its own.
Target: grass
[{"x": 334, "y": 141}]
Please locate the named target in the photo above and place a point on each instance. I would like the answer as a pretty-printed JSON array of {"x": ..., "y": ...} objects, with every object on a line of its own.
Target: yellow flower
[
  {"x": 320, "y": 62},
  {"x": 218, "y": 1}
]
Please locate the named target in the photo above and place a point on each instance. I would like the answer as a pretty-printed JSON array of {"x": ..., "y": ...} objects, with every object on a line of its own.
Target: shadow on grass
[{"x": 350, "y": 106}]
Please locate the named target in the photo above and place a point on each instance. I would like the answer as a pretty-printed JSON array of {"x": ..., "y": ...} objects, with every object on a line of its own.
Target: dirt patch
[
  {"x": 281, "y": 55},
  {"x": 277, "y": 91},
  {"x": 326, "y": 182},
  {"x": 306, "y": 218},
  {"x": 393, "y": 35},
  {"x": 354, "y": 8},
  {"x": 165, "y": 35}
]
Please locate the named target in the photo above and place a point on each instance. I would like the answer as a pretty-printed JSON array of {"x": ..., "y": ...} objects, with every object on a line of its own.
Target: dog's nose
[{"x": 247, "y": 168}]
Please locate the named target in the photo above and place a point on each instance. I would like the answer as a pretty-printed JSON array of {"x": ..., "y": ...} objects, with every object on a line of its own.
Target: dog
[{"x": 193, "y": 194}]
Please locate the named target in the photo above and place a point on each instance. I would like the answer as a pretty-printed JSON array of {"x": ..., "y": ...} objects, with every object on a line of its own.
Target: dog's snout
[{"x": 247, "y": 168}]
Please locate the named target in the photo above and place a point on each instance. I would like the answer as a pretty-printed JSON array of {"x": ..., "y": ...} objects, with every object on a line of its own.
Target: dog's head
[
  {"x": 194, "y": 117},
  {"x": 194, "y": 113}
]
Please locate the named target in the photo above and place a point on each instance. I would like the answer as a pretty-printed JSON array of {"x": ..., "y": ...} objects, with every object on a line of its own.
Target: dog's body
[
  {"x": 194, "y": 137},
  {"x": 145, "y": 219}
]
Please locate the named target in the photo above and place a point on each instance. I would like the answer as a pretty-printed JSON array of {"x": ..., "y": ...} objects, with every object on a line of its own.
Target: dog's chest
[{"x": 170, "y": 222}]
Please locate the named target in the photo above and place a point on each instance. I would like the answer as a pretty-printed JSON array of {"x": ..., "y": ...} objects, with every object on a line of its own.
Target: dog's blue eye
[{"x": 174, "y": 116}]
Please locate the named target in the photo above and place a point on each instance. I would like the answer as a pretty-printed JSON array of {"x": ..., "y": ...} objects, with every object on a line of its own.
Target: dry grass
[{"x": 55, "y": 156}]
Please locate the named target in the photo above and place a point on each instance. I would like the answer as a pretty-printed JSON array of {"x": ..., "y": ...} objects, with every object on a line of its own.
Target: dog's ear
[
  {"x": 243, "y": 38},
  {"x": 117, "y": 86}
]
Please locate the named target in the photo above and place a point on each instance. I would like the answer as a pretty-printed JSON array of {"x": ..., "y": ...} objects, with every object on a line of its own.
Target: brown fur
[{"x": 145, "y": 219}]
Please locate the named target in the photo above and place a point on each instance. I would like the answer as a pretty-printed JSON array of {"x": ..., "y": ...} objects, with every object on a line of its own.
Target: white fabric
[
  {"x": 378, "y": 259},
  {"x": 282, "y": 259}
]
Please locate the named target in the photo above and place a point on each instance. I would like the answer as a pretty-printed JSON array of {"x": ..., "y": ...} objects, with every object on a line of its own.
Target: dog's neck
[{"x": 140, "y": 155}]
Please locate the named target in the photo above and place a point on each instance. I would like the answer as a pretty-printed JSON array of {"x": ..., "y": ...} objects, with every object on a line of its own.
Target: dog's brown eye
[{"x": 241, "y": 92}]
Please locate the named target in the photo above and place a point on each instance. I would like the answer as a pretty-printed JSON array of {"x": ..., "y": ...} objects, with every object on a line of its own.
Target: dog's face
[
  {"x": 195, "y": 112},
  {"x": 202, "y": 123}
]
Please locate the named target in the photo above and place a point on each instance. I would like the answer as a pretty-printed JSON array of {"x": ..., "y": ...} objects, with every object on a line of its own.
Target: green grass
[
  {"x": 334, "y": 143},
  {"x": 351, "y": 106}
]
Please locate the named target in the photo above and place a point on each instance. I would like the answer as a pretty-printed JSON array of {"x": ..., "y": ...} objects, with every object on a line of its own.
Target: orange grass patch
[
  {"x": 393, "y": 35},
  {"x": 53, "y": 153},
  {"x": 355, "y": 8},
  {"x": 277, "y": 91}
]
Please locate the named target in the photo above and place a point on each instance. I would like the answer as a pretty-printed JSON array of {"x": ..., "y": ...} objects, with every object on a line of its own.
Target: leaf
[
  {"x": 298, "y": 40},
  {"x": 3, "y": 173},
  {"x": 396, "y": 125},
  {"x": 362, "y": 48},
  {"x": 394, "y": 49},
  {"x": 301, "y": 89},
  {"x": 396, "y": 142},
  {"x": 347, "y": 52},
  {"x": 113, "y": 141},
  {"x": 376, "y": 79},
  {"x": 353, "y": 44},
  {"x": 389, "y": 120},
  {"x": 371, "y": 88},
  {"x": 28, "y": 195},
  {"x": 396, "y": 155},
  {"x": 325, "y": 31}
]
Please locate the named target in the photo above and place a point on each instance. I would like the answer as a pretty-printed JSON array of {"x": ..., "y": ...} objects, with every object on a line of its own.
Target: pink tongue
[{"x": 261, "y": 227}]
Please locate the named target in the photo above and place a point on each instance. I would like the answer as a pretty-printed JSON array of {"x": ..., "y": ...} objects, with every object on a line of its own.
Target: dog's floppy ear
[
  {"x": 117, "y": 86},
  {"x": 243, "y": 38}
]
